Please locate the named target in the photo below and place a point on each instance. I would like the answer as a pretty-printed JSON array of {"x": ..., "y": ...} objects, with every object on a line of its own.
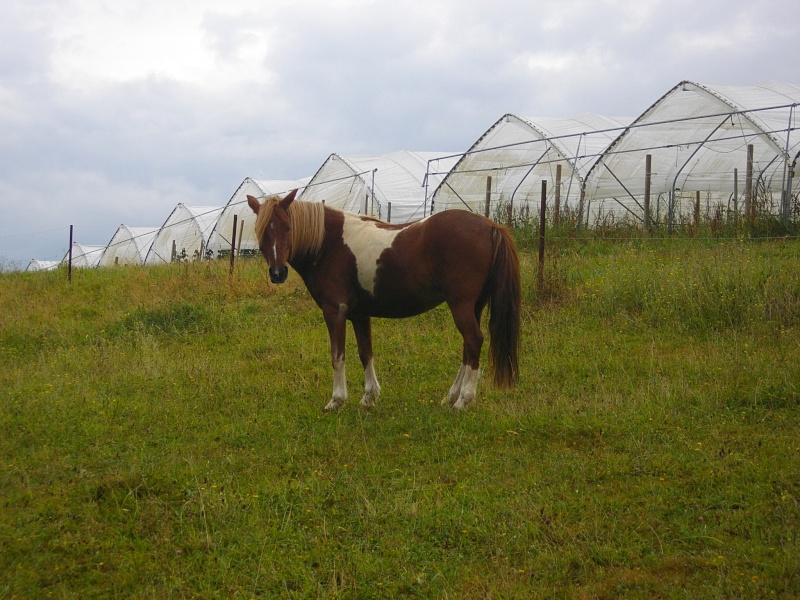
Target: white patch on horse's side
[{"x": 367, "y": 242}]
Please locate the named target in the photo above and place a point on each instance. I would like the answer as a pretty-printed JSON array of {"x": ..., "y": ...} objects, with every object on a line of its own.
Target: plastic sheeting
[
  {"x": 246, "y": 243},
  {"x": 187, "y": 230},
  {"x": 41, "y": 265},
  {"x": 128, "y": 246},
  {"x": 392, "y": 187},
  {"x": 518, "y": 153},
  {"x": 697, "y": 136},
  {"x": 84, "y": 256}
]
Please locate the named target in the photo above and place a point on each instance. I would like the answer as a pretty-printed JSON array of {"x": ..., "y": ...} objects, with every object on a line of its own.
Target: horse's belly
[{"x": 396, "y": 305}]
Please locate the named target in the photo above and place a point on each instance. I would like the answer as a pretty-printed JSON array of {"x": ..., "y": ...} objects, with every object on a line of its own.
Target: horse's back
[
  {"x": 459, "y": 237},
  {"x": 437, "y": 258}
]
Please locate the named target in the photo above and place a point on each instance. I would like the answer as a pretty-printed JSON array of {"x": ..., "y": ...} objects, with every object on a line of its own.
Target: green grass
[{"x": 162, "y": 435}]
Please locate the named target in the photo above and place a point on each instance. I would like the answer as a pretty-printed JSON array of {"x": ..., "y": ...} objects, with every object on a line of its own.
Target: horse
[{"x": 357, "y": 267}]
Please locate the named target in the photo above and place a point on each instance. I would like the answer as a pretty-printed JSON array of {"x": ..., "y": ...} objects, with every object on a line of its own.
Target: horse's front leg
[
  {"x": 372, "y": 389},
  {"x": 335, "y": 320}
]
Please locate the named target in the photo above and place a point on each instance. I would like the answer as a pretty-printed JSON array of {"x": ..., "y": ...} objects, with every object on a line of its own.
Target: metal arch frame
[
  {"x": 536, "y": 163},
  {"x": 545, "y": 137},
  {"x": 617, "y": 200},
  {"x": 758, "y": 131},
  {"x": 671, "y": 209}
]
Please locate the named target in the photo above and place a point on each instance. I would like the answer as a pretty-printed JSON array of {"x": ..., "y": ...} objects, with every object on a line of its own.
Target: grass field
[{"x": 162, "y": 436}]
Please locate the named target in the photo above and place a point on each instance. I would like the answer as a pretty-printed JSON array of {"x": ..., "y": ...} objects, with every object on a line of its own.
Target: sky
[{"x": 113, "y": 112}]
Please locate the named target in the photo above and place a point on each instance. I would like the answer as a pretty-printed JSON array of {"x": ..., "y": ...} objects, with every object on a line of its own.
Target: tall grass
[
  {"x": 729, "y": 285},
  {"x": 162, "y": 435}
]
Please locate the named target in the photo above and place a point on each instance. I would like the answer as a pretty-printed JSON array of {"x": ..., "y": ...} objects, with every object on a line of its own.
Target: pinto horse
[{"x": 357, "y": 267}]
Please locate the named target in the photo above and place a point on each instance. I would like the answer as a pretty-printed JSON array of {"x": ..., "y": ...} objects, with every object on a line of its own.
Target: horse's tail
[{"x": 504, "y": 306}]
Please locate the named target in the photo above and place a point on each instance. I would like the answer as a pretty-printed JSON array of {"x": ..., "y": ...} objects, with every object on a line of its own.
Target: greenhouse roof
[
  {"x": 186, "y": 231},
  {"x": 398, "y": 191},
  {"x": 41, "y": 265},
  {"x": 237, "y": 206},
  {"x": 519, "y": 152},
  {"x": 83, "y": 255},
  {"x": 697, "y": 136},
  {"x": 128, "y": 246}
]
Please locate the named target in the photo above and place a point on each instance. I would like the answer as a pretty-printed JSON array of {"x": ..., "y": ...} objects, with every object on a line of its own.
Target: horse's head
[{"x": 274, "y": 231}]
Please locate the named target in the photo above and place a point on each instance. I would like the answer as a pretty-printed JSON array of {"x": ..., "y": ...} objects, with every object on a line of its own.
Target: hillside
[{"x": 162, "y": 435}]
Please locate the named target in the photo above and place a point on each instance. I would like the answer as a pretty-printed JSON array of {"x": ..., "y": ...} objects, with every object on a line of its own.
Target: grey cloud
[{"x": 375, "y": 78}]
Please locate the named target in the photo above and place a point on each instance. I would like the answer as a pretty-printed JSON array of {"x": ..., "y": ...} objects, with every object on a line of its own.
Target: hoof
[
  {"x": 332, "y": 406},
  {"x": 369, "y": 398},
  {"x": 461, "y": 404}
]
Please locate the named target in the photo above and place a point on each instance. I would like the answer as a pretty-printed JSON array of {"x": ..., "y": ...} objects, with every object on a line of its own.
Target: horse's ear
[
  {"x": 288, "y": 199},
  {"x": 253, "y": 203}
]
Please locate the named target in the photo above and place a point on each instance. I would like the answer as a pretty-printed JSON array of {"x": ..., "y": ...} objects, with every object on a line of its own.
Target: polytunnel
[
  {"x": 393, "y": 186},
  {"x": 246, "y": 244},
  {"x": 41, "y": 265},
  {"x": 84, "y": 256},
  {"x": 184, "y": 235},
  {"x": 128, "y": 246},
  {"x": 515, "y": 154},
  {"x": 699, "y": 138}
]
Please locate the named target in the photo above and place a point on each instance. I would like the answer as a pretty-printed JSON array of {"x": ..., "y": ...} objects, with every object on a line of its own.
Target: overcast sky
[{"x": 113, "y": 112}]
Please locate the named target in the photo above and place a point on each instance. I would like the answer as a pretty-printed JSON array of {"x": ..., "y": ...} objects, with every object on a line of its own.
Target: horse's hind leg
[
  {"x": 467, "y": 320},
  {"x": 455, "y": 389},
  {"x": 372, "y": 389}
]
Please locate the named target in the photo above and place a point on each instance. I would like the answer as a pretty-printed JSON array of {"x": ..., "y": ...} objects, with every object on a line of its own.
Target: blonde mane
[{"x": 307, "y": 220}]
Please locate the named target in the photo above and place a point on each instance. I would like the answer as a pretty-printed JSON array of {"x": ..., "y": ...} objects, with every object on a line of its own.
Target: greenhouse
[
  {"x": 715, "y": 150},
  {"x": 184, "y": 235},
  {"x": 128, "y": 246},
  {"x": 505, "y": 167},
  {"x": 393, "y": 187},
  {"x": 222, "y": 235},
  {"x": 42, "y": 265},
  {"x": 84, "y": 256}
]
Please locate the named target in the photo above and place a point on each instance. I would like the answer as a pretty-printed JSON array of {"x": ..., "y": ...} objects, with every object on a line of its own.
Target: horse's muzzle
[{"x": 278, "y": 274}]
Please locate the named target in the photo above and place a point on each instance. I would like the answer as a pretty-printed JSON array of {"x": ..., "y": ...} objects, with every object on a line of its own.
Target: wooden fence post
[
  {"x": 69, "y": 264},
  {"x": 233, "y": 243},
  {"x": 749, "y": 208},
  {"x": 557, "y": 208},
  {"x": 697, "y": 208},
  {"x": 488, "y": 196},
  {"x": 648, "y": 175},
  {"x": 542, "y": 215}
]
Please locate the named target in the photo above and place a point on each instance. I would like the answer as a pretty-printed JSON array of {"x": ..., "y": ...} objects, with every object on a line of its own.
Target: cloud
[
  {"x": 98, "y": 43},
  {"x": 113, "y": 112}
]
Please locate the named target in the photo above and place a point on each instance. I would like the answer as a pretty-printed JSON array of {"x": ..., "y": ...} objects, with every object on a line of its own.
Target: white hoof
[
  {"x": 368, "y": 399},
  {"x": 334, "y": 405},
  {"x": 462, "y": 403},
  {"x": 452, "y": 397}
]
